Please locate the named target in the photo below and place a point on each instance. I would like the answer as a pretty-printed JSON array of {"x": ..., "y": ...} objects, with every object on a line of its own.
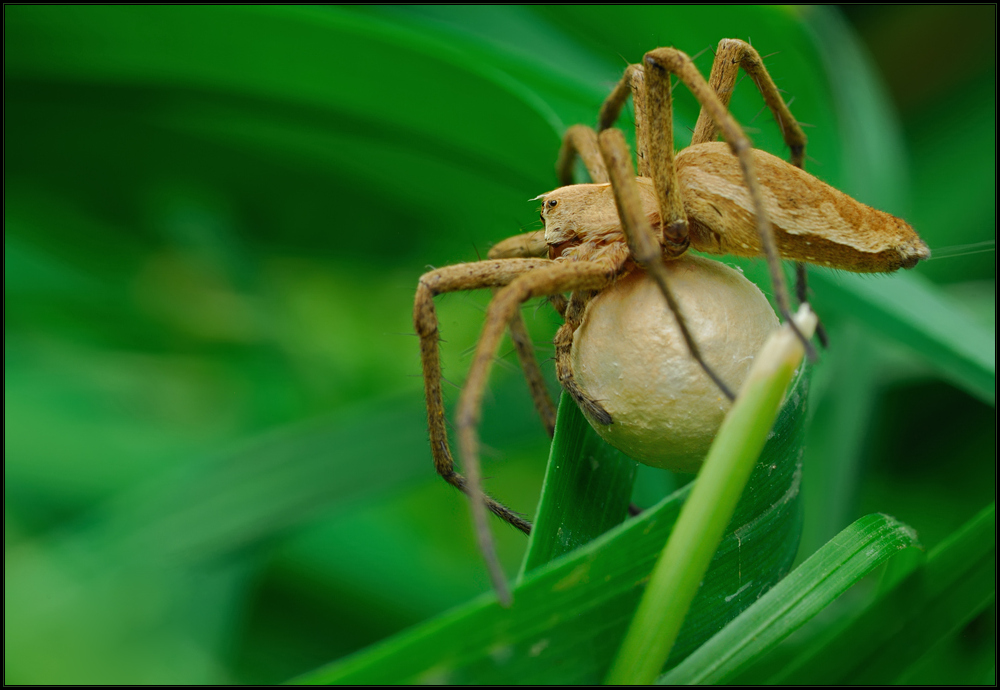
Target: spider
[{"x": 719, "y": 198}]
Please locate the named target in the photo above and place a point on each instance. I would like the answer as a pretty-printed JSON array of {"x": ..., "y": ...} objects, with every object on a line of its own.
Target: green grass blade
[
  {"x": 215, "y": 217},
  {"x": 587, "y": 488},
  {"x": 957, "y": 581},
  {"x": 721, "y": 481},
  {"x": 909, "y": 309},
  {"x": 806, "y": 591},
  {"x": 569, "y": 615}
]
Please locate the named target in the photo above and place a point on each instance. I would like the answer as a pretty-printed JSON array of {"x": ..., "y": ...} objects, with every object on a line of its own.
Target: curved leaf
[
  {"x": 933, "y": 601},
  {"x": 808, "y": 589},
  {"x": 569, "y": 614}
]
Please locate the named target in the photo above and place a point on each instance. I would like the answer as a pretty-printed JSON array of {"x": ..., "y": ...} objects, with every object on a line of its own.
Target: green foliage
[
  {"x": 825, "y": 575},
  {"x": 567, "y": 610},
  {"x": 216, "y": 466}
]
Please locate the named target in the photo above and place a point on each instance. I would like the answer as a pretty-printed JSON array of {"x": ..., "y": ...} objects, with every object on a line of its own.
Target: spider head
[{"x": 577, "y": 214}]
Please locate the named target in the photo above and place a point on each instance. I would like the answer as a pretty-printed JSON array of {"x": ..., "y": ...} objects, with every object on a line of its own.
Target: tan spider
[{"x": 720, "y": 198}]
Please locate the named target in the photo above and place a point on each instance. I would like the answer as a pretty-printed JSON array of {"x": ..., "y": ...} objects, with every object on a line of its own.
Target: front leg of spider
[
  {"x": 480, "y": 275},
  {"x": 551, "y": 278}
]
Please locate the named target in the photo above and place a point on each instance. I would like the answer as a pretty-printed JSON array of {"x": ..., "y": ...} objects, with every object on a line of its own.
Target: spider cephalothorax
[{"x": 715, "y": 197}]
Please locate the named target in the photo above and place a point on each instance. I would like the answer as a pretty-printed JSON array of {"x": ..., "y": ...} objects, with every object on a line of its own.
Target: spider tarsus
[
  {"x": 717, "y": 381},
  {"x": 498, "y": 509},
  {"x": 824, "y": 339},
  {"x": 676, "y": 237},
  {"x": 810, "y": 349},
  {"x": 510, "y": 517}
]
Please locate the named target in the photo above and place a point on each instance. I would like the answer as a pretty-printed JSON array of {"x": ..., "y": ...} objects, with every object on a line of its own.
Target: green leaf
[
  {"x": 586, "y": 492},
  {"x": 214, "y": 219},
  {"x": 806, "y": 591},
  {"x": 908, "y": 309},
  {"x": 569, "y": 614},
  {"x": 956, "y": 582}
]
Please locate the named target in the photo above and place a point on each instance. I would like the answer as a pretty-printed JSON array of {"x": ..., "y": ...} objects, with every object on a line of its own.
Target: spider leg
[
  {"x": 660, "y": 64},
  {"x": 730, "y": 56},
  {"x": 582, "y": 140},
  {"x": 634, "y": 81},
  {"x": 483, "y": 274},
  {"x": 654, "y": 142},
  {"x": 564, "y": 366},
  {"x": 523, "y": 246},
  {"x": 642, "y": 243},
  {"x": 552, "y": 278},
  {"x": 527, "y": 245},
  {"x": 559, "y": 303},
  {"x": 544, "y": 405}
]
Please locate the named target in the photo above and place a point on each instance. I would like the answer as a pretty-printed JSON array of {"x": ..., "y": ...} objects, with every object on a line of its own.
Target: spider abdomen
[{"x": 812, "y": 221}]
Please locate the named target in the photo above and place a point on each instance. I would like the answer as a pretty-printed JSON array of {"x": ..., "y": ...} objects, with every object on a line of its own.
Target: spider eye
[
  {"x": 541, "y": 217},
  {"x": 552, "y": 203}
]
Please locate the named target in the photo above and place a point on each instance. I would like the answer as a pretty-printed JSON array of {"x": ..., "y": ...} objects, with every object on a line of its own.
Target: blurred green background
[{"x": 215, "y": 454}]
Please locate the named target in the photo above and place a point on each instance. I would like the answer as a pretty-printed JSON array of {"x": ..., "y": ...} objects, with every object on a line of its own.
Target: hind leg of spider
[{"x": 553, "y": 278}]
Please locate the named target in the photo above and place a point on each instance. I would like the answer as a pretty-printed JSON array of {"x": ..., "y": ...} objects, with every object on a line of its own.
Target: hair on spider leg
[
  {"x": 488, "y": 451},
  {"x": 467, "y": 300},
  {"x": 545, "y": 346},
  {"x": 451, "y": 383},
  {"x": 502, "y": 362},
  {"x": 549, "y": 359},
  {"x": 754, "y": 118},
  {"x": 498, "y": 359},
  {"x": 702, "y": 52},
  {"x": 467, "y": 352}
]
